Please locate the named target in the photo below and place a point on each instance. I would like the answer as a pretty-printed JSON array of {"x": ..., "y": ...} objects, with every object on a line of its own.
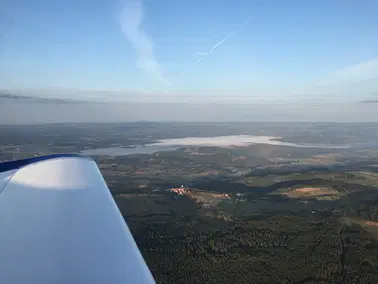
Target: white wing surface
[{"x": 59, "y": 224}]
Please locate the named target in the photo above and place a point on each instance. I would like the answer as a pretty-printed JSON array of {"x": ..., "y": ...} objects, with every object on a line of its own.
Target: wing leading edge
[{"x": 60, "y": 224}]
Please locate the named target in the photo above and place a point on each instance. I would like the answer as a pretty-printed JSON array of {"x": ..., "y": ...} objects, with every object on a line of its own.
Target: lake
[{"x": 218, "y": 141}]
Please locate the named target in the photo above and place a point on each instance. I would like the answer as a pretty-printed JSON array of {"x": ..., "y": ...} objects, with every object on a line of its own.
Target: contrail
[
  {"x": 223, "y": 40},
  {"x": 220, "y": 42},
  {"x": 199, "y": 60},
  {"x": 203, "y": 55},
  {"x": 247, "y": 20},
  {"x": 130, "y": 19}
]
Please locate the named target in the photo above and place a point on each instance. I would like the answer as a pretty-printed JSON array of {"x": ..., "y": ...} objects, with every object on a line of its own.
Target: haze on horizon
[{"x": 190, "y": 60}]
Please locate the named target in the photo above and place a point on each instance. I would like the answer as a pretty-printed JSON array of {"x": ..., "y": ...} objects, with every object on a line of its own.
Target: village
[{"x": 206, "y": 198}]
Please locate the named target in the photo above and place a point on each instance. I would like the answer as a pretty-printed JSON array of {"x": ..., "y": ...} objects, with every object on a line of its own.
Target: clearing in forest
[{"x": 317, "y": 192}]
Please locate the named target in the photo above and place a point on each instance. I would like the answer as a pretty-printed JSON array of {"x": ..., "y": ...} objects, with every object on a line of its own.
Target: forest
[{"x": 281, "y": 248}]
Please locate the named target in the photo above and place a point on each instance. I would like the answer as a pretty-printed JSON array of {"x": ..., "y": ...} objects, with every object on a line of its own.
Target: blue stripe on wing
[{"x": 12, "y": 165}]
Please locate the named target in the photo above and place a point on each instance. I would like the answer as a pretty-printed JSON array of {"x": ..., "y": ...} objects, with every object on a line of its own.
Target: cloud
[
  {"x": 370, "y": 102},
  {"x": 353, "y": 81},
  {"x": 361, "y": 72},
  {"x": 131, "y": 18},
  {"x": 28, "y": 113}
]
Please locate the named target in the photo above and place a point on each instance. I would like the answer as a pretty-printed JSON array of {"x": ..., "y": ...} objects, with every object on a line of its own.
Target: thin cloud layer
[
  {"x": 131, "y": 18},
  {"x": 358, "y": 73},
  {"x": 354, "y": 81},
  {"x": 370, "y": 102}
]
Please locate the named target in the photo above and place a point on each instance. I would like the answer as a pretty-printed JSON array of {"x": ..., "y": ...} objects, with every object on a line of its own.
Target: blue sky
[{"x": 190, "y": 49}]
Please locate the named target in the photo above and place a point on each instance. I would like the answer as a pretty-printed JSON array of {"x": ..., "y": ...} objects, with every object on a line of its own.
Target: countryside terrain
[{"x": 256, "y": 213}]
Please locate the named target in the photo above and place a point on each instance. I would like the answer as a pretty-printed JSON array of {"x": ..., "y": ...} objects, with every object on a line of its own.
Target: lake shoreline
[{"x": 188, "y": 142}]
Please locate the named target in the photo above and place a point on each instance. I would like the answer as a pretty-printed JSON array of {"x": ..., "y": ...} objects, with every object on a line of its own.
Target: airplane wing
[{"x": 60, "y": 224}]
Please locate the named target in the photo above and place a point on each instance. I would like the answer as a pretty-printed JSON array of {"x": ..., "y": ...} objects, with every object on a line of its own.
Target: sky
[{"x": 190, "y": 50}]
